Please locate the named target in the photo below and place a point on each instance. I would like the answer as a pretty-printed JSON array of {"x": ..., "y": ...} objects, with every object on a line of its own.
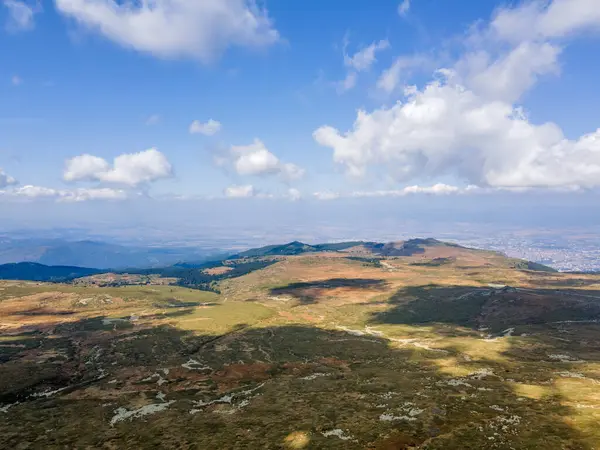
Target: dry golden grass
[
  {"x": 315, "y": 351},
  {"x": 217, "y": 270}
]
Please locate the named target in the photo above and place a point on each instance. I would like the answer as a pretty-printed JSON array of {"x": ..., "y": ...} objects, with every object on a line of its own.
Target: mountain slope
[
  {"x": 294, "y": 248},
  {"x": 448, "y": 348},
  {"x": 40, "y": 272},
  {"x": 432, "y": 250}
]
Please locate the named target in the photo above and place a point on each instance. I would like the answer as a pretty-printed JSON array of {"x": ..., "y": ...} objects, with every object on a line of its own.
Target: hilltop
[
  {"x": 295, "y": 248},
  {"x": 203, "y": 275},
  {"x": 413, "y": 344}
]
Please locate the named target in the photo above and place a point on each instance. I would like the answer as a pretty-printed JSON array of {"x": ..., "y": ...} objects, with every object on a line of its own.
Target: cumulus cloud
[
  {"x": 6, "y": 180},
  {"x": 255, "y": 159},
  {"x": 175, "y": 28},
  {"x": 20, "y": 15},
  {"x": 235, "y": 191},
  {"x": 128, "y": 169},
  {"x": 504, "y": 58},
  {"x": 209, "y": 128},
  {"x": 509, "y": 76},
  {"x": 403, "y": 8},
  {"x": 446, "y": 129},
  {"x": 534, "y": 34},
  {"x": 465, "y": 123}
]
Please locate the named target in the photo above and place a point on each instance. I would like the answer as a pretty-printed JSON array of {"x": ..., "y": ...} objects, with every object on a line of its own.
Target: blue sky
[{"x": 475, "y": 100}]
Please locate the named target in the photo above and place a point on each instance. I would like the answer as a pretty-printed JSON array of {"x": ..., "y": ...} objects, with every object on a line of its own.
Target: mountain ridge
[
  {"x": 425, "y": 248},
  {"x": 97, "y": 254}
]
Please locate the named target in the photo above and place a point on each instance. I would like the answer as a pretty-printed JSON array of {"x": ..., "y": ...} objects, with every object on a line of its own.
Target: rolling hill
[{"x": 410, "y": 345}]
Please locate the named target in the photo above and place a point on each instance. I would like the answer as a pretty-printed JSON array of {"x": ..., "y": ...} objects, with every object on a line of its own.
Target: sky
[{"x": 122, "y": 110}]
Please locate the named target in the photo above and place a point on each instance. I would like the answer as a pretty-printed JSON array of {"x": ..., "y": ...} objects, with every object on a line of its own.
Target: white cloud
[
  {"x": 249, "y": 191},
  {"x": 534, "y": 33},
  {"x": 536, "y": 20},
  {"x": 6, "y": 180},
  {"x": 361, "y": 61},
  {"x": 154, "y": 119},
  {"x": 85, "y": 167},
  {"x": 128, "y": 169},
  {"x": 403, "y": 8},
  {"x": 326, "y": 195},
  {"x": 446, "y": 129},
  {"x": 20, "y": 15},
  {"x": 366, "y": 57},
  {"x": 509, "y": 76},
  {"x": 245, "y": 191},
  {"x": 465, "y": 124},
  {"x": 256, "y": 159},
  {"x": 175, "y": 28},
  {"x": 400, "y": 69},
  {"x": 294, "y": 194},
  {"x": 32, "y": 192},
  {"x": 436, "y": 189},
  {"x": 291, "y": 172},
  {"x": 16, "y": 80},
  {"x": 209, "y": 128},
  {"x": 347, "y": 83},
  {"x": 81, "y": 195}
]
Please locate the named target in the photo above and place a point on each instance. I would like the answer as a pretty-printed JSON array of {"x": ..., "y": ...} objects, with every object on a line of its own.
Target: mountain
[
  {"x": 294, "y": 248},
  {"x": 40, "y": 272},
  {"x": 102, "y": 255},
  {"x": 409, "y": 344},
  {"x": 407, "y": 248},
  {"x": 438, "y": 251},
  {"x": 400, "y": 248}
]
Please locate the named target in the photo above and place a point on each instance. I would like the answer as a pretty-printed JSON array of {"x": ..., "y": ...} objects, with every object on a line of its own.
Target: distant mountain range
[
  {"x": 295, "y": 248},
  {"x": 171, "y": 262},
  {"x": 99, "y": 255},
  {"x": 40, "y": 272},
  {"x": 400, "y": 248}
]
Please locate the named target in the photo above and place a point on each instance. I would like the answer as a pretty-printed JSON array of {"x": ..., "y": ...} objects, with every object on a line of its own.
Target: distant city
[{"x": 576, "y": 256}]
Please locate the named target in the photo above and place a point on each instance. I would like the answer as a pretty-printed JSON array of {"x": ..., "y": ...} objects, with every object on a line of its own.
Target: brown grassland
[{"x": 447, "y": 349}]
